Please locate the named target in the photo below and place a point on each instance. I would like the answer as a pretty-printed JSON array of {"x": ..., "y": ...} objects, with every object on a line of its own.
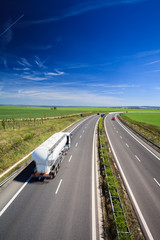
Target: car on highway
[{"x": 113, "y": 118}]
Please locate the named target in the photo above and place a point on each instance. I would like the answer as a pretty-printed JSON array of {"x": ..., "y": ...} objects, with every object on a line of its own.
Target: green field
[
  {"x": 145, "y": 117},
  {"x": 11, "y": 112}
]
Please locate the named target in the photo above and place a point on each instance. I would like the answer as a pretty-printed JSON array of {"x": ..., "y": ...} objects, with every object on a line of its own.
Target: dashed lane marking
[{"x": 58, "y": 186}]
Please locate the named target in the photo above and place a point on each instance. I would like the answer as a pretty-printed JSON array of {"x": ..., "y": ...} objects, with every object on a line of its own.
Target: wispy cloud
[
  {"x": 154, "y": 62},
  {"x": 21, "y": 69},
  {"x": 82, "y": 8},
  {"x": 56, "y": 73},
  {"x": 34, "y": 78},
  {"x": 147, "y": 53},
  {"x": 11, "y": 25},
  {"x": 63, "y": 96},
  {"x": 23, "y": 62},
  {"x": 103, "y": 85},
  {"x": 39, "y": 63}
]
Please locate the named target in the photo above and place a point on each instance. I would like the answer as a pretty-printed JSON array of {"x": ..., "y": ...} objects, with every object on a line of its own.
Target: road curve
[
  {"x": 62, "y": 208},
  {"x": 139, "y": 165}
]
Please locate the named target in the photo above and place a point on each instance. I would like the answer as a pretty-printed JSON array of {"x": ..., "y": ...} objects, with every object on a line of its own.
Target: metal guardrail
[
  {"x": 139, "y": 134},
  {"x": 121, "y": 234}
]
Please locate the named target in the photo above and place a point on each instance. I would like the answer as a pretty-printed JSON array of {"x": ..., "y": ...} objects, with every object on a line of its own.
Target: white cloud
[
  {"x": 34, "y": 78},
  {"x": 56, "y": 73},
  {"x": 65, "y": 96},
  {"x": 39, "y": 63},
  {"x": 11, "y": 25},
  {"x": 103, "y": 85},
  {"x": 147, "y": 53},
  {"x": 82, "y": 8},
  {"x": 23, "y": 62},
  {"x": 154, "y": 62}
]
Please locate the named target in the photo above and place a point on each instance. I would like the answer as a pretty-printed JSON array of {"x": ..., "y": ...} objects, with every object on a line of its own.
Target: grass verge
[
  {"x": 121, "y": 207},
  {"x": 18, "y": 142},
  {"x": 152, "y": 132}
]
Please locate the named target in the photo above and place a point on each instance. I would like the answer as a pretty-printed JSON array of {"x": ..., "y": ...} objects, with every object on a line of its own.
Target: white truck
[{"x": 48, "y": 155}]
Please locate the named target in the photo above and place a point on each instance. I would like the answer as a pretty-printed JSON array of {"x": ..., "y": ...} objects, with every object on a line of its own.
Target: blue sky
[{"x": 80, "y": 53}]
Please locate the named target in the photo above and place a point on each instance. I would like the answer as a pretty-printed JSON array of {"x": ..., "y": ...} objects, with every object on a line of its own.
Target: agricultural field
[
  {"x": 145, "y": 117},
  {"x": 14, "y": 112},
  {"x": 17, "y": 142},
  {"x": 146, "y": 123}
]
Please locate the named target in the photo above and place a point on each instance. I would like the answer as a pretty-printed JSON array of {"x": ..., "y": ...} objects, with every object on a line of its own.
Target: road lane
[
  {"x": 140, "y": 167},
  {"x": 39, "y": 213}
]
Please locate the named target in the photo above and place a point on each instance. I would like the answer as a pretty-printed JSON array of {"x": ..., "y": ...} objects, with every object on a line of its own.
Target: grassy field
[
  {"x": 145, "y": 117},
  {"x": 11, "y": 112},
  {"x": 19, "y": 137},
  {"x": 18, "y": 142},
  {"x": 146, "y": 123}
]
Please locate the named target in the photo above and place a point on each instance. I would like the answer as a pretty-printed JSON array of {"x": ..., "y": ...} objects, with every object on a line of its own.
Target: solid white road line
[
  {"x": 14, "y": 197},
  {"x": 93, "y": 188},
  {"x": 130, "y": 191},
  {"x": 58, "y": 186},
  {"x": 157, "y": 182},
  {"x": 18, "y": 192},
  {"x": 137, "y": 158},
  {"x": 70, "y": 158},
  {"x": 138, "y": 140}
]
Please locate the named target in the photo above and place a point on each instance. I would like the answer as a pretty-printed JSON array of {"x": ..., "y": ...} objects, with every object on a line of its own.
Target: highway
[
  {"x": 62, "y": 208},
  {"x": 139, "y": 165}
]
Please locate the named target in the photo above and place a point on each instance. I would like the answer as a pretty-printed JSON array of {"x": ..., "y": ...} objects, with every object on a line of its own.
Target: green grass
[
  {"x": 14, "y": 112},
  {"x": 18, "y": 142},
  {"x": 149, "y": 118}
]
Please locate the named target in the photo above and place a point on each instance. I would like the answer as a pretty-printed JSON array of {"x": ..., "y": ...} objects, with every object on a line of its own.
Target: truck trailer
[{"x": 48, "y": 156}]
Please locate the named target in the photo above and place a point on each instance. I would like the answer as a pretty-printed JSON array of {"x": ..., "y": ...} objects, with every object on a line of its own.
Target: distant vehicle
[
  {"x": 113, "y": 118},
  {"x": 48, "y": 156}
]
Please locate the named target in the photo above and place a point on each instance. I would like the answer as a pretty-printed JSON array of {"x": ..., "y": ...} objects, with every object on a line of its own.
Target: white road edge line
[
  {"x": 93, "y": 188},
  {"x": 1, "y": 175},
  {"x": 138, "y": 141},
  {"x": 137, "y": 158},
  {"x": 70, "y": 158},
  {"x": 14, "y": 197},
  {"x": 157, "y": 182},
  {"x": 18, "y": 192},
  {"x": 130, "y": 191},
  {"x": 58, "y": 186}
]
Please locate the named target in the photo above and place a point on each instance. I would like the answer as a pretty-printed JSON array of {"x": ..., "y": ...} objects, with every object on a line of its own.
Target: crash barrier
[{"x": 140, "y": 135}]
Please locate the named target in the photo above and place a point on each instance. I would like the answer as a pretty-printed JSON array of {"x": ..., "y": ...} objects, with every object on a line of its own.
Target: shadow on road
[{"x": 26, "y": 173}]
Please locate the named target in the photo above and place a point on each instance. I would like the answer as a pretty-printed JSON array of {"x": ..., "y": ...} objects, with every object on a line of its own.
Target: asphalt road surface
[
  {"x": 62, "y": 208},
  {"x": 140, "y": 168}
]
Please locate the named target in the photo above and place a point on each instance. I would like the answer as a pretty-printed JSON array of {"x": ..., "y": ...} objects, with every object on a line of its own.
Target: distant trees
[
  {"x": 3, "y": 124},
  {"x": 53, "y": 108}
]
